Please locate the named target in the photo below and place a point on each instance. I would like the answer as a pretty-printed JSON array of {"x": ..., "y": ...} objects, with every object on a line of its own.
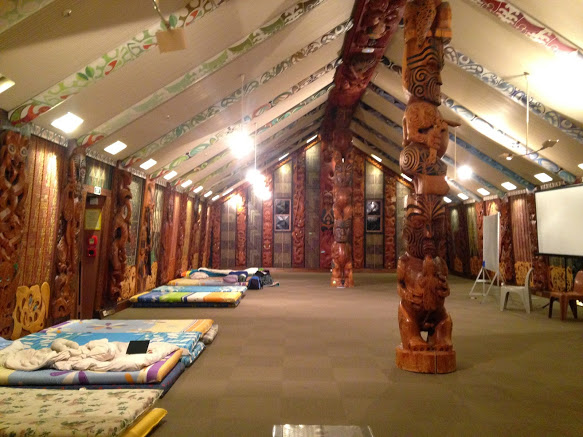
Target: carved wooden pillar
[
  {"x": 267, "y": 248},
  {"x": 216, "y": 236},
  {"x": 326, "y": 204},
  {"x": 540, "y": 278},
  {"x": 299, "y": 211},
  {"x": 390, "y": 210},
  {"x": 421, "y": 272},
  {"x": 13, "y": 191},
  {"x": 166, "y": 236},
  {"x": 194, "y": 247},
  {"x": 506, "y": 249},
  {"x": 122, "y": 216},
  {"x": 64, "y": 299},
  {"x": 144, "y": 261},
  {"x": 241, "y": 225},
  {"x": 358, "y": 211},
  {"x": 181, "y": 233},
  {"x": 205, "y": 235}
]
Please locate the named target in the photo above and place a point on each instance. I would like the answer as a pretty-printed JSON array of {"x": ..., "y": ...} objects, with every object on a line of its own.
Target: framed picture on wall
[
  {"x": 282, "y": 214},
  {"x": 374, "y": 216}
]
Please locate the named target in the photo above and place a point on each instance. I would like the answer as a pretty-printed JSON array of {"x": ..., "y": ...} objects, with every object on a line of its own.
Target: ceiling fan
[{"x": 547, "y": 144}]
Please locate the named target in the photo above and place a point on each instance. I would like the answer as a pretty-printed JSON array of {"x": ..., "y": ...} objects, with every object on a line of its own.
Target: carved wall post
[
  {"x": 421, "y": 272},
  {"x": 241, "y": 232},
  {"x": 205, "y": 235},
  {"x": 166, "y": 236},
  {"x": 194, "y": 247},
  {"x": 540, "y": 278},
  {"x": 267, "y": 248},
  {"x": 507, "y": 248},
  {"x": 13, "y": 191},
  {"x": 299, "y": 210},
  {"x": 358, "y": 210},
  {"x": 180, "y": 235},
  {"x": 326, "y": 204},
  {"x": 216, "y": 235},
  {"x": 390, "y": 207},
  {"x": 64, "y": 299},
  {"x": 144, "y": 261},
  {"x": 122, "y": 217}
]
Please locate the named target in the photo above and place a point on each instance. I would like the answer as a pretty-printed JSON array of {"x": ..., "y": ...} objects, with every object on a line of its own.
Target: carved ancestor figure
[
  {"x": 121, "y": 235},
  {"x": 342, "y": 246},
  {"x": 299, "y": 212},
  {"x": 13, "y": 190},
  {"x": 267, "y": 248},
  {"x": 421, "y": 271}
]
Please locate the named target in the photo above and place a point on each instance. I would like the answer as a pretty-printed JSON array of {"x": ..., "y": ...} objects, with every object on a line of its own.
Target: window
[{"x": 282, "y": 215}]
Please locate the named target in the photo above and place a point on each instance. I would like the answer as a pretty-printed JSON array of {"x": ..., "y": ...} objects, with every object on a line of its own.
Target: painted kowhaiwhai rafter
[
  {"x": 449, "y": 161},
  {"x": 266, "y": 143},
  {"x": 237, "y": 167},
  {"x": 108, "y": 63},
  {"x": 528, "y": 26},
  {"x": 321, "y": 92},
  {"x": 329, "y": 67},
  {"x": 200, "y": 72},
  {"x": 492, "y": 132},
  {"x": 236, "y": 96},
  {"x": 14, "y": 11}
]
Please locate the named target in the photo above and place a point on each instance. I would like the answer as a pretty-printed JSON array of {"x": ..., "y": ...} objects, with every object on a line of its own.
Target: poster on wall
[
  {"x": 92, "y": 220},
  {"x": 282, "y": 215},
  {"x": 373, "y": 216}
]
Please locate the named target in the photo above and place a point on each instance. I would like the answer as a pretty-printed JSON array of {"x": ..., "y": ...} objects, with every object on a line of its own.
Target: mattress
[
  {"x": 217, "y": 299},
  {"x": 66, "y": 413},
  {"x": 109, "y": 325},
  {"x": 216, "y": 282},
  {"x": 148, "y": 375},
  {"x": 145, "y": 424},
  {"x": 201, "y": 288},
  {"x": 188, "y": 342}
]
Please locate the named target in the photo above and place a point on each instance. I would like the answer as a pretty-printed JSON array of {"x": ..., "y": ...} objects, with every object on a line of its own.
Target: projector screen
[{"x": 559, "y": 220}]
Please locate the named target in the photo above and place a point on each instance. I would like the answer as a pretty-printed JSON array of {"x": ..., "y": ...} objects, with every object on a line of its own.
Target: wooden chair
[
  {"x": 523, "y": 291},
  {"x": 568, "y": 297}
]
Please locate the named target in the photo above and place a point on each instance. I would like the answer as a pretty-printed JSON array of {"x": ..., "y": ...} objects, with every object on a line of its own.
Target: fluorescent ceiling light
[
  {"x": 464, "y": 172},
  {"x": 115, "y": 148},
  {"x": 580, "y": 166},
  {"x": 404, "y": 176},
  {"x": 227, "y": 192},
  {"x": 286, "y": 154},
  {"x": 309, "y": 140},
  {"x": 375, "y": 157},
  {"x": 68, "y": 122},
  {"x": 170, "y": 175},
  {"x": 462, "y": 196},
  {"x": 368, "y": 50},
  {"x": 186, "y": 183},
  {"x": 483, "y": 191},
  {"x": 208, "y": 193},
  {"x": 543, "y": 177},
  {"x": 446, "y": 199},
  {"x": 198, "y": 189},
  {"x": 149, "y": 163},
  {"x": 214, "y": 198},
  {"x": 508, "y": 185},
  {"x": 5, "y": 83}
]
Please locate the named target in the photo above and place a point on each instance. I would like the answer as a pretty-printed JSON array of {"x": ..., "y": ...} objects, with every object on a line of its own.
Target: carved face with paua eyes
[{"x": 424, "y": 230}]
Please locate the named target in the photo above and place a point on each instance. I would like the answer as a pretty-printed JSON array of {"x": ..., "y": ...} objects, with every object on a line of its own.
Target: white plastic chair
[{"x": 523, "y": 291}]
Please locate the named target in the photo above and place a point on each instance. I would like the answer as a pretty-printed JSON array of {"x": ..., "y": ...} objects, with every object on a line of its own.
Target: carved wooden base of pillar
[{"x": 425, "y": 361}]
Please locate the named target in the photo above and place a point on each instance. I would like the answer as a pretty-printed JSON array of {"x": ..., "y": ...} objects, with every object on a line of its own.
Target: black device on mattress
[{"x": 138, "y": 347}]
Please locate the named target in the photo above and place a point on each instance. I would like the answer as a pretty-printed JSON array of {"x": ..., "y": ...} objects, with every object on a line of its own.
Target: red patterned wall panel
[
  {"x": 506, "y": 245},
  {"x": 180, "y": 233},
  {"x": 358, "y": 210},
  {"x": 216, "y": 235},
  {"x": 241, "y": 233},
  {"x": 299, "y": 210},
  {"x": 326, "y": 204},
  {"x": 205, "y": 236},
  {"x": 540, "y": 276},
  {"x": 520, "y": 237},
  {"x": 144, "y": 261},
  {"x": 390, "y": 206},
  {"x": 267, "y": 249}
]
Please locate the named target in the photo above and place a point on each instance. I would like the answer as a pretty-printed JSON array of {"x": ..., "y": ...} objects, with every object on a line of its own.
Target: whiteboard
[
  {"x": 559, "y": 221},
  {"x": 491, "y": 242}
]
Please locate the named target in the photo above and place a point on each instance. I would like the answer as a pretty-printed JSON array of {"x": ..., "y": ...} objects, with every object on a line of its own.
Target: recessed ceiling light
[
  {"x": 309, "y": 140},
  {"x": 283, "y": 156},
  {"x": 227, "y": 192},
  {"x": 375, "y": 157},
  {"x": 462, "y": 196},
  {"x": 464, "y": 172},
  {"x": 214, "y": 198},
  {"x": 367, "y": 50},
  {"x": 68, "y": 122},
  {"x": 5, "y": 83},
  {"x": 508, "y": 185},
  {"x": 149, "y": 163},
  {"x": 208, "y": 193},
  {"x": 446, "y": 199},
  {"x": 198, "y": 189},
  {"x": 483, "y": 191},
  {"x": 543, "y": 177},
  {"x": 580, "y": 166},
  {"x": 115, "y": 148},
  {"x": 170, "y": 175},
  {"x": 186, "y": 183},
  {"x": 404, "y": 176}
]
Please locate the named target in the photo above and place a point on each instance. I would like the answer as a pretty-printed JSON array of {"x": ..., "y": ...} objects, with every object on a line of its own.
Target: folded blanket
[{"x": 98, "y": 355}]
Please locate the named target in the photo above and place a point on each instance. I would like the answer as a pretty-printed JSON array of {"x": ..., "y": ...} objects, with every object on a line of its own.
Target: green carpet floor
[{"x": 304, "y": 353}]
